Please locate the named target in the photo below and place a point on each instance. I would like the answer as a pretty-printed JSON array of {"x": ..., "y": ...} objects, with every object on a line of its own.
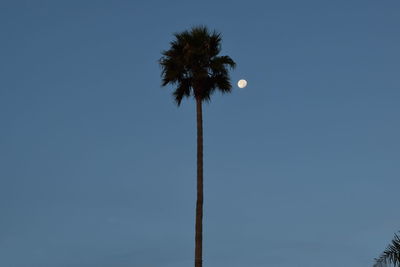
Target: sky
[{"x": 98, "y": 165}]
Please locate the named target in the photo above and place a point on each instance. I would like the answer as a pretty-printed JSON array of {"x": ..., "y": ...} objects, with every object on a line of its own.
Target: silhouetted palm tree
[
  {"x": 192, "y": 65},
  {"x": 391, "y": 255}
]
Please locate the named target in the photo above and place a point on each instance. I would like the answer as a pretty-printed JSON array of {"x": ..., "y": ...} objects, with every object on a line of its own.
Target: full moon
[{"x": 242, "y": 83}]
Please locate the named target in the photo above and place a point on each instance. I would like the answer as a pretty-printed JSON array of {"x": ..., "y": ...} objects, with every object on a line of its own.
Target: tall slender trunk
[{"x": 198, "y": 258}]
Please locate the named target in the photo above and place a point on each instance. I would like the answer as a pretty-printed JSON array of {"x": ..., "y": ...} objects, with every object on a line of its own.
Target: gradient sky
[{"x": 98, "y": 165}]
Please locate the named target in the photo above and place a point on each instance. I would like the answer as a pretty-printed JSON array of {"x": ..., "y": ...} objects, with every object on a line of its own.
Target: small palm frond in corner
[{"x": 391, "y": 255}]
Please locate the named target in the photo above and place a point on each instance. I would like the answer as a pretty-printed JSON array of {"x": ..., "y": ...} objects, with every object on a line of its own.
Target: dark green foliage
[
  {"x": 193, "y": 65},
  {"x": 391, "y": 255}
]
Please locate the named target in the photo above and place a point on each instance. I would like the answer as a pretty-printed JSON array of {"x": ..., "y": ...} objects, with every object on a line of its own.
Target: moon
[{"x": 242, "y": 83}]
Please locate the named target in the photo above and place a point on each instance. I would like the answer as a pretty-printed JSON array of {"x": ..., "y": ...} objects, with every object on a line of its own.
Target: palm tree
[
  {"x": 390, "y": 255},
  {"x": 193, "y": 66}
]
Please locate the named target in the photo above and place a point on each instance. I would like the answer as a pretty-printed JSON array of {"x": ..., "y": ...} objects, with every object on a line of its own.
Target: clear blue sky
[{"x": 98, "y": 165}]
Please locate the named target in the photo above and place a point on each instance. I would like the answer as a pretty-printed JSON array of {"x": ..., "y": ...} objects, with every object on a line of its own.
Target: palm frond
[
  {"x": 183, "y": 90},
  {"x": 221, "y": 63},
  {"x": 391, "y": 255},
  {"x": 215, "y": 44}
]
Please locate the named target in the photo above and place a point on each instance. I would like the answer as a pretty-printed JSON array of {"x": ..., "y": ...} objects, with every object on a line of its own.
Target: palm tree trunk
[{"x": 198, "y": 258}]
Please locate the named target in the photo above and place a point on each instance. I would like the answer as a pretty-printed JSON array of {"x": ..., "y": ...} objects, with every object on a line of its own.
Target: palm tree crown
[{"x": 193, "y": 64}]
